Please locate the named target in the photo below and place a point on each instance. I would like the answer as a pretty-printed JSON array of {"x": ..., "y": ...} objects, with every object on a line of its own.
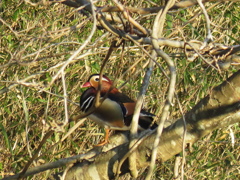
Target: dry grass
[{"x": 35, "y": 40}]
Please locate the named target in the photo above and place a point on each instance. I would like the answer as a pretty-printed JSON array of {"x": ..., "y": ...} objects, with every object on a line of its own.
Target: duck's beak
[{"x": 86, "y": 84}]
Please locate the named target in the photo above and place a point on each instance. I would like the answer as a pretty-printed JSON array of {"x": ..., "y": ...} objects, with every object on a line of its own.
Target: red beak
[{"x": 86, "y": 84}]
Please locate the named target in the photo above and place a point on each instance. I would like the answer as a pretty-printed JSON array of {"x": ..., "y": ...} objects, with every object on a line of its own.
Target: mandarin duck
[{"x": 116, "y": 109}]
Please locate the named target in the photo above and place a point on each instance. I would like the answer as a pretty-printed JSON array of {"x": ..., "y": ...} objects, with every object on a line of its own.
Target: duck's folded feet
[{"x": 105, "y": 141}]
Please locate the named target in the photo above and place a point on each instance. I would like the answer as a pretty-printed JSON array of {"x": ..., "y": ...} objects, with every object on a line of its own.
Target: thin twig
[
  {"x": 135, "y": 119},
  {"x": 80, "y": 48},
  {"x": 157, "y": 31},
  {"x": 109, "y": 27},
  {"x": 11, "y": 29},
  {"x": 131, "y": 20},
  {"x": 209, "y": 37},
  {"x": 26, "y": 112},
  {"x": 23, "y": 172},
  {"x": 6, "y": 89},
  {"x": 176, "y": 167},
  {"x": 205, "y": 60},
  {"x": 98, "y": 101},
  {"x": 184, "y": 136},
  {"x": 65, "y": 98}
]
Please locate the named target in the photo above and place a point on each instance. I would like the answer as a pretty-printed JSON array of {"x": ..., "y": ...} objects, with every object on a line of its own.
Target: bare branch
[{"x": 157, "y": 32}]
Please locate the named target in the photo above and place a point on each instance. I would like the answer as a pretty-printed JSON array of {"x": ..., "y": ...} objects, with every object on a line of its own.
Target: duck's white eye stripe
[
  {"x": 105, "y": 79},
  {"x": 96, "y": 78}
]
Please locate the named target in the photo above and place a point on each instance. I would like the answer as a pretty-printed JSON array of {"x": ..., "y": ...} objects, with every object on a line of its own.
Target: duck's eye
[{"x": 96, "y": 79}]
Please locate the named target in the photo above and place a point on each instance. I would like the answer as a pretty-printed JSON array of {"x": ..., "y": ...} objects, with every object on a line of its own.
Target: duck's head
[{"x": 94, "y": 79}]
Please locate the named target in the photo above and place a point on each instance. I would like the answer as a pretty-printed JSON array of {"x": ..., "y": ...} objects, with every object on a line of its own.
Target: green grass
[{"x": 37, "y": 38}]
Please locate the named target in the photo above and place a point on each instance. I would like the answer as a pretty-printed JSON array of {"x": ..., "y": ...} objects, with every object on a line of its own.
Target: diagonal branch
[{"x": 157, "y": 32}]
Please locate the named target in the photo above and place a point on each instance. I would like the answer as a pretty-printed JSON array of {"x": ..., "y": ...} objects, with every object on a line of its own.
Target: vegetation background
[{"x": 37, "y": 37}]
